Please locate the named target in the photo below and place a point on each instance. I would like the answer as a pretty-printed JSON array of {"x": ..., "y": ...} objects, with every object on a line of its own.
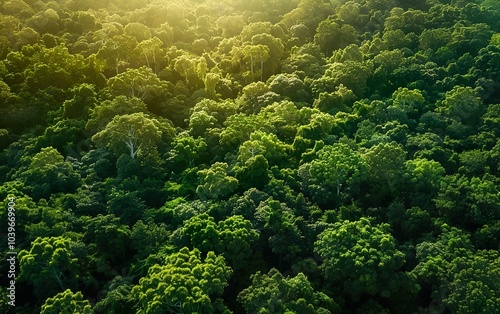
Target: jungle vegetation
[{"x": 227, "y": 156}]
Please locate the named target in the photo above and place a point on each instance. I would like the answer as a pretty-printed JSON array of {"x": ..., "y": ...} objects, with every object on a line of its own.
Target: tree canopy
[{"x": 282, "y": 156}]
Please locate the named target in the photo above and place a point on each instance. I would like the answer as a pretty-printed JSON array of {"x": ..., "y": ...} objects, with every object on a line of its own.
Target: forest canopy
[{"x": 204, "y": 156}]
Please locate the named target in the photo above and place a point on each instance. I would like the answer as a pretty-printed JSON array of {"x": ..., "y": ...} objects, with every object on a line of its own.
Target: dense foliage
[{"x": 205, "y": 156}]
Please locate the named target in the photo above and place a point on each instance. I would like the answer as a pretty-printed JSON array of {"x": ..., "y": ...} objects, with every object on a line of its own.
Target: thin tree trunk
[
  {"x": 58, "y": 279},
  {"x": 251, "y": 64},
  {"x": 147, "y": 59},
  {"x": 261, "y": 67}
]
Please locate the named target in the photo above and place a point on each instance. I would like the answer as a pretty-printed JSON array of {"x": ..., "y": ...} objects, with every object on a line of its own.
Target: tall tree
[
  {"x": 192, "y": 68},
  {"x": 462, "y": 105},
  {"x": 104, "y": 113},
  {"x": 215, "y": 183},
  {"x": 184, "y": 282},
  {"x": 66, "y": 302},
  {"x": 365, "y": 261},
  {"x": 48, "y": 173},
  {"x": 337, "y": 168},
  {"x": 273, "y": 293},
  {"x": 135, "y": 134},
  {"x": 141, "y": 83},
  {"x": 51, "y": 265},
  {"x": 385, "y": 163}
]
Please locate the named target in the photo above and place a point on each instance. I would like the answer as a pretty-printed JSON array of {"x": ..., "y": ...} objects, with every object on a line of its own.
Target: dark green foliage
[
  {"x": 51, "y": 265},
  {"x": 335, "y": 169},
  {"x": 147, "y": 238},
  {"x": 48, "y": 173},
  {"x": 280, "y": 227},
  {"x": 118, "y": 298},
  {"x": 473, "y": 199},
  {"x": 206, "y": 156},
  {"x": 272, "y": 293},
  {"x": 451, "y": 264},
  {"x": 474, "y": 285},
  {"x": 110, "y": 237},
  {"x": 365, "y": 261},
  {"x": 233, "y": 238},
  {"x": 126, "y": 205}
]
